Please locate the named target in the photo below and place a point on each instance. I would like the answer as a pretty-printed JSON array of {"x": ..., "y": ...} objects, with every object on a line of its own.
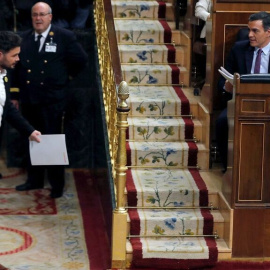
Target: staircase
[{"x": 178, "y": 218}]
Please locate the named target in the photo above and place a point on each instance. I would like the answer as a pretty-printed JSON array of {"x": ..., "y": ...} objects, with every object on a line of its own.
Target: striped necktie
[{"x": 258, "y": 62}]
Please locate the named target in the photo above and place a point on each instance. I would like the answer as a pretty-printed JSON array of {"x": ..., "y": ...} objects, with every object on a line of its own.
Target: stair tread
[
  {"x": 165, "y": 100},
  {"x": 161, "y": 129},
  {"x": 176, "y": 120},
  {"x": 213, "y": 180},
  {"x": 167, "y": 93},
  {"x": 147, "y": 66},
  {"x": 139, "y": 9},
  {"x": 174, "y": 145},
  {"x": 136, "y": 31},
  {"x": 148, "y": 53},
  {"x": 154, "y": 121},
  {"x": 216, "y": 214},
  {"x": 221, "y": 245},
  {"x": 188, "y": 91}
]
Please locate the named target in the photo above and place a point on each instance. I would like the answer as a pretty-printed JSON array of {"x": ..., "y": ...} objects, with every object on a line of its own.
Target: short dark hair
[
  {"x": 9, "y": 40},
  {"x": 262, "y": 16}
]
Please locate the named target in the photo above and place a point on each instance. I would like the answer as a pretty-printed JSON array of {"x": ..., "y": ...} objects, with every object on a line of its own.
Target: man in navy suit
[
  {"x": 242, "y": 60},
  {"x": 49, "y": 56},
  {"x": 9, "y": 51}
]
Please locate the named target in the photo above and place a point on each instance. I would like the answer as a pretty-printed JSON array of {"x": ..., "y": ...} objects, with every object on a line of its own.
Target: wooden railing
[{"x": 115, "y": 94}]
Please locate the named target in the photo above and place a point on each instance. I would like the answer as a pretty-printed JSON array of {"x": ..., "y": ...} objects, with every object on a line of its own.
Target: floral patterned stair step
[
  {"x": 166, "y": 154},
  {"x": 169, "y": 222},
  {"x": 155, "y": 187},
  {"x": 151, "y": 74},
  {"x": 145, "y": 54},
  {"x": 163, "y": 129},
  {"x": 142, "y": 31},
  {"x": 158, "y": 101},
  {"x": 140, "y": 9},
  {"x": 173, "y": 253},
  {"x": 157, "y": 154}
]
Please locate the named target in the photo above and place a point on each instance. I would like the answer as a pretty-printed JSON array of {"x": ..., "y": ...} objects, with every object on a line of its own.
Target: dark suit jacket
[
  {"x": 43, "y": 77},
  {"x": 13, "y": 116},
  {"x": 239, "y": 60}
]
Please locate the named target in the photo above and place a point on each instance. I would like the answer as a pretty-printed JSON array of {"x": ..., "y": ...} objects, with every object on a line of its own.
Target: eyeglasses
[{"x": 34, "y": 15}]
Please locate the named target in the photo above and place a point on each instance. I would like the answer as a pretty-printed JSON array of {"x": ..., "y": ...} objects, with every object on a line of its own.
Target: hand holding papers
[
  {"x": 50, "y": 151},
  {"x": 227, "y": 75}
]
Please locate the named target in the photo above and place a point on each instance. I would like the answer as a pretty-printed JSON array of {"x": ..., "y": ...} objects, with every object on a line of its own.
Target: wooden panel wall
[
  {"x": 251, "y": 143},
  {"x": 248, "y": 189},
  {"x": 251, "y": 233}
]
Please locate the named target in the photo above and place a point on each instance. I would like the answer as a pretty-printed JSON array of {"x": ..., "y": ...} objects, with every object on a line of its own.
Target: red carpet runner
[{"x": 94, "y": 225}]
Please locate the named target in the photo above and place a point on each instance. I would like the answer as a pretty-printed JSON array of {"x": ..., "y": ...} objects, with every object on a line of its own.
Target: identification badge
[{"x": 50, "y": 48}]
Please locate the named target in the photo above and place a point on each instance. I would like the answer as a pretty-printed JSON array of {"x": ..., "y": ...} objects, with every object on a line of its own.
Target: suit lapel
[
  {"x": 249, "y": 58},
  {"x": 31, "y": 43}
]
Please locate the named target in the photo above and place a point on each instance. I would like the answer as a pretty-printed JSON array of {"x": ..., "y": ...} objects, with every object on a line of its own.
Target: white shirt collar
[
  {"x": 3, "y": 73},
  {"x": 265, "y": 49},
  {"x": 44, "y": 34}
]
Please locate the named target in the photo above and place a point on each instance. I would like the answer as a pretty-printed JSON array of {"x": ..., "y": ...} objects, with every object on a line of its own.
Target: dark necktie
[
  {"x": 258, "y": 62},
  {"x": 38, "y": 42}
]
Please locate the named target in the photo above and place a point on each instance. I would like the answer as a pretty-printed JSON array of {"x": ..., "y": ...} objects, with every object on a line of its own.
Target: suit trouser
[{"x": 46, "y": 118}]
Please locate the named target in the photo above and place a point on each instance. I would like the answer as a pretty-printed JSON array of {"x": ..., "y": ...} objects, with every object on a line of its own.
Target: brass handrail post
[
  {"x": 121, "y": 159},
  {"x": 120, "y": 213}
]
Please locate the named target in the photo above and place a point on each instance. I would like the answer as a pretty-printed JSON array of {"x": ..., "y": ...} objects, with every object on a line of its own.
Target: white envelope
[{"x": 51, "y": 150}]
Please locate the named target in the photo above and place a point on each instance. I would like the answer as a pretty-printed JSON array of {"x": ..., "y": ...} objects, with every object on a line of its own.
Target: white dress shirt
[
  {"x": 43, "y": 37},
  {"x": 3, "y": 73},
  {"x": 264, "y": 59}
]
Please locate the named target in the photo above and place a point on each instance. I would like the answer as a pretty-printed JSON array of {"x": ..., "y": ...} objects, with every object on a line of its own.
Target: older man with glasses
[{"x": 50, "y": 56}]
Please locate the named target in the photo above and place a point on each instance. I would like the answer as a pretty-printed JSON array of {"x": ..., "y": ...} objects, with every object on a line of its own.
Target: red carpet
[
  {"x": 167, "y": 31},
  {"x": 235, "y": 265},
  {"x": 239, "y": 265},
  {"x": 185, "y": 106},
  {"x": 94, "y": 225}
]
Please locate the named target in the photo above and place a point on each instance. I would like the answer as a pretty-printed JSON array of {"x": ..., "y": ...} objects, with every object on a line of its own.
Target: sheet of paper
[
  {"x": 227, "y": 75},
  {"x": 51, "y": 150}
]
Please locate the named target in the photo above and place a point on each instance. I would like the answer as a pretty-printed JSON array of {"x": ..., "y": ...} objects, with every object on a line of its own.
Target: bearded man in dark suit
[
  {"x": 242, "y": 60},
  {"x": 49, "y": 56},
  {"x": 9, "y": 51}
]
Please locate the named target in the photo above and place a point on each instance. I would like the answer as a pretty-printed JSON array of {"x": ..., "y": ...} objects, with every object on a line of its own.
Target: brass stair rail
[
  {"x": 114, "y": 90},
  {"x": 110, "y": 70}
]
